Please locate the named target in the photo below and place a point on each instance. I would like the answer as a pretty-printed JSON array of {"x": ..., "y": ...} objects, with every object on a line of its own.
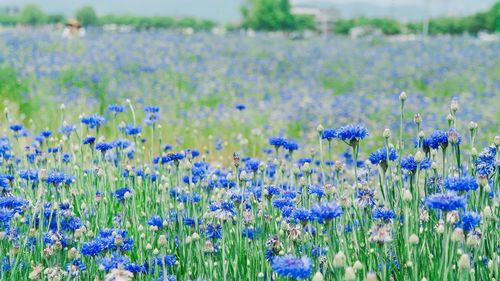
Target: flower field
[{"x": 159, "y": 156}]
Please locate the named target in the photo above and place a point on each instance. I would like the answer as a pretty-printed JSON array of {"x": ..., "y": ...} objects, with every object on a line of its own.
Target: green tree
[
  {"x": 55, "y": 18},
  {"x": 272, "y": 15},
  {"x": 87, "y": 16},
  {"x": 32, "y": 14}
]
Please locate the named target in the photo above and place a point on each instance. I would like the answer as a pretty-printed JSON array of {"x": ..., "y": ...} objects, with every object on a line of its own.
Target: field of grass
[{"x": 160, "y": 156}]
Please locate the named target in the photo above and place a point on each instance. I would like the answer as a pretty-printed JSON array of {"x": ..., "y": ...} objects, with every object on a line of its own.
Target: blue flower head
[
  {"x": 292, "y": 267},
  {"x": 16, "y": 127},
  {"x": 408, "y": 163},
  {"x": 301, "y": 215},
  {"x": 213, "y": 231},
  {"x": 326, "y": 211},
  {"x": 93, "y": 121},
  {"x": 469, "y": 221},
  {"x": 240, "y": 106},
  {"x": 383, "y": 214},
  {"x": 445, "y": 201},
  {"x": 328, "y": 134},
  {"x": 131, "y": 130},
  {"x": 291, "y": 145},
  {"x": 115, "y": 108},
  {"x": 437, "y": 139},
  {"x": 460, "y": 184},
  {"x": 277, "y": 142},
  {"x": 103, "y": 146},
  {"x": 380, "y": 155},
  {"x": 352, "y": 134}
]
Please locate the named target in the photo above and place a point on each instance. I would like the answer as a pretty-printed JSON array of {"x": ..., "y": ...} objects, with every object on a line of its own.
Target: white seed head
[
  {"x": 464, "y": 261},
  {"x": 318, "y": 277},
  {"x": 413, "y": 239},
  {"x": 403, "y": 96}
]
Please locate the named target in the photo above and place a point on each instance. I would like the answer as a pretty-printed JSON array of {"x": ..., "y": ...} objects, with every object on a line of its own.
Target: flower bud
[
  {"x": 464, "y": 261},
  {"x": 350, "y": 275},
  {"x": 417, "y": 119},
  {"x": 320, "y": 129},
  {"x": 387, "y": 133},
  {"x": 371, "y": 276},
  {"x": 339, "y": 260},
  {"x": 407, "y": 195},
  {"x": 414, "y": 239},
  {"x": 403, "y": 96},
  {"x": 318, "y": 277},
  {"x": 419, "y": 156},
  {"x": 457, "y": 235}
]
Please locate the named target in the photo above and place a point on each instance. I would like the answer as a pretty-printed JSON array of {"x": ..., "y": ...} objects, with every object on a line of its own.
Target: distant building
[{"x": 324, "y": 17}]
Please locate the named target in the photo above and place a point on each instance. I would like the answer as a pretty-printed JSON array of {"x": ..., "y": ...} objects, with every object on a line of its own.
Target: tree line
[
  {"x": 33, "y": 15},
  {"x": 265, "y": 15},
  {"x": 274, "y": 15}
]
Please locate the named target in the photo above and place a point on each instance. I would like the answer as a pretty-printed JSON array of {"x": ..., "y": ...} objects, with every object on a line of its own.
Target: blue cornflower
[
  {"x": 326, "y": 211},
  {"x": 172, "y": 157},
  {"x": 121, "y": 143},
  {"x": 120, "y": 193},
  {"x": 240, "y": 106},
  {"x": 292, "y": 267},
  {"x": 156, "y": 221},
  {"x": 12, "y": 202},
  {"x": 92, "y": 248},
  {"x": 328, "y": 134},
  {"x": 301, "y": 215},
  {"x": 115, "y": 108},
  {"x": 383, "y": 214},
  {"x": 53, "y": 150},
  {"x": 31, "y": 175},
  {"x": 445, "y": 201},
  {"x": 213, "y": 231},
  {"x": 55, "y": 178},
  {"x": 272, "y": 190},
  {"x": 46, "y": 134},
  {"x": 93, "y": 121},
  {"x": 195, "y": 153},
  {"x": 460, "y": 184},
  {"x": 485, "y": 162},
  {"x": 277, "y": 142},
  {"x": 252, "y": 164},
  {"x": 88, "y": 140},
  {"x": 316, "y": 190},
  {"x": 250, "y": 232},
  {"x": 16, "y": 127},
  {"x": 280, "y": 203},
  {"x": 152, "y": 109},
  {"x": 167, "y": 260},
  {"x": 365, "y": 197},
  {"x": 103, "y": 146},
  {"x": 437, "y": 139},
  {"x": 75, "y": 267},
  {"x": 408, "y": 163},
  {"x": 352, "y": 134},
  {"x": 67, "y": 129},
  {"x": 131, "y": 130},
  {"x": 291, "y": 145},
  {"x": 380, "y": 155},
  {"x": 469, "y": 221}
]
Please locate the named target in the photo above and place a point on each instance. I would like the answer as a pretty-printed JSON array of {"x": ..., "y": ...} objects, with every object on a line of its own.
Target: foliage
[
  {"x": 32, "y": 14},
  {"x": 273, "y": 15},
  {"x": 87, "y": 16},
  {"x": 485, "y": 21}
]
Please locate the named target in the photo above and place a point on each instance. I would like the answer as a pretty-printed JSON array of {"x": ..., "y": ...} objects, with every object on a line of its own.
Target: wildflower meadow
[{"x": 159, "y": 156}]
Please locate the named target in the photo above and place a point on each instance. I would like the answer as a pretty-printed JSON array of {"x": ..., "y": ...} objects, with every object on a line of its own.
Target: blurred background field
[{"x": 197, "y": 71}]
